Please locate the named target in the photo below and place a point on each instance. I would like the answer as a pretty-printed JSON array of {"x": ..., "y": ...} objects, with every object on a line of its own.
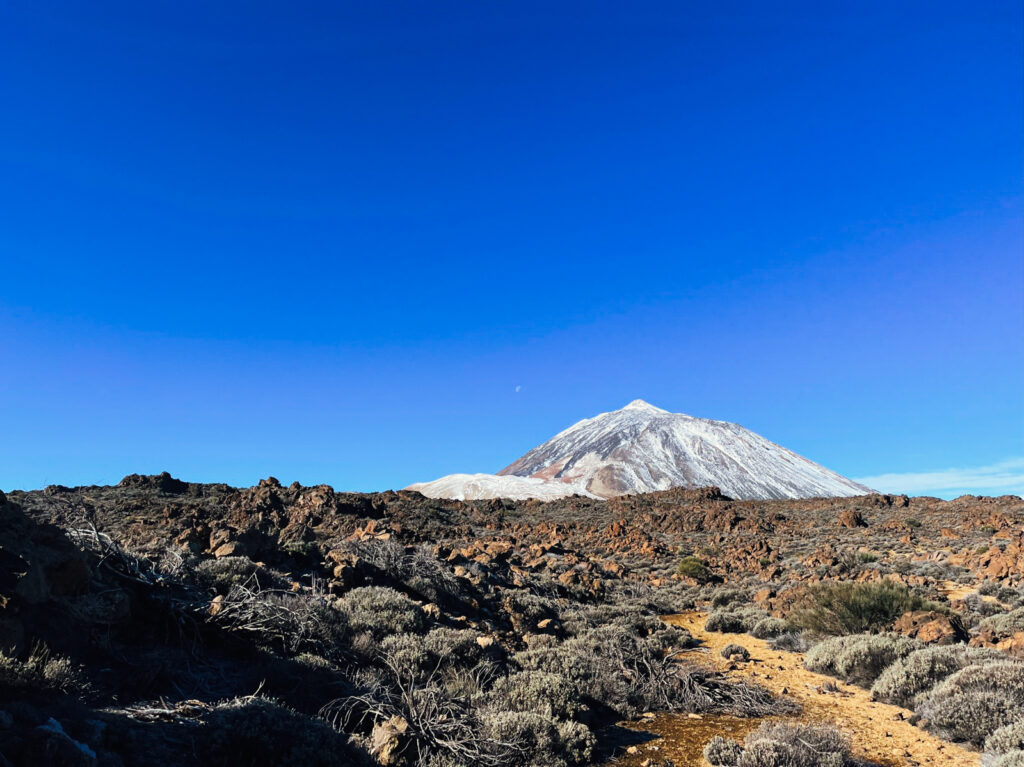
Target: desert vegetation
[{"x": 161, "y": 621}]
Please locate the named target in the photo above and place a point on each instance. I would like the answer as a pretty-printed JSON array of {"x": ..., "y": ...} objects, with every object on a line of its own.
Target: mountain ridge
[{"x": 643, "y": 448}]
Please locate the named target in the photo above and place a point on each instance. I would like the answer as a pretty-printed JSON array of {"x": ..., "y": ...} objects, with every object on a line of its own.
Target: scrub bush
[
  {"x": 922, "y": 669},
  {"x": 837, "y": 609},
  {"x": 859, "y": 659}
]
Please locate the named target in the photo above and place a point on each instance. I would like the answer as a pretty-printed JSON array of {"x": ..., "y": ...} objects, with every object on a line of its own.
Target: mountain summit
[{"x": 642, "y": 448}]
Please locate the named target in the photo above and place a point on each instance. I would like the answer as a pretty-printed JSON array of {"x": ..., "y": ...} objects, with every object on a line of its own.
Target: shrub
[
  {"x": 292, "y": 622},
  {"x": 1004, "y": 625},
  {"x": 258, "y": 730},
  {"x": 614, "y": 668},
  {"x": 723, "y": 596},
  {"x": 379, "y": 611},
  {"x": 725, "y": 622},
  {"x": 859, "y": 659},
  {"x": 988, "y": 588},
  {"x": 537, "y": 740},
  {"x": 1009, "y": 737},
  {"x": 975, "y": 701},
  {"x": 853, "y": 608},
  {"x": 733, "y": 650},
  {"x": 735, "y": 620},
  {"x": 791, "y": 641},
  {"x": 911, "y": 522},
  {"x": 722, "y": 752},
  {"x": 540, "y": 691},
  {"x": 693, "y": 567},
  {"x": 1009, "y": 759},
  {"x": 42, "y": 671},
  {"x": 577, "y": 742},
  {"x": 767, "y": 628},
  {"x": 223, "y": 573},
  {"x": 922, "y": 669},
  {"x": 776, "y": 744}
]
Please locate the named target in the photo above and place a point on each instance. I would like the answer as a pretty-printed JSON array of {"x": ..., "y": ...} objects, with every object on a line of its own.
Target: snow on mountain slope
[
  {"x": 470, "y": 487},
  {"x": 642, "y": 448}
]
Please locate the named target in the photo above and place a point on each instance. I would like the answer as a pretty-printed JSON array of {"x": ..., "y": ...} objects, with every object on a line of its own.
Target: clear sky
[{"x": 370, "y": 244}]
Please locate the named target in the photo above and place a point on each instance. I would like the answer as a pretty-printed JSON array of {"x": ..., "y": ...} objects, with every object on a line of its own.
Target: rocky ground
[{"x": 163, "y": 621}]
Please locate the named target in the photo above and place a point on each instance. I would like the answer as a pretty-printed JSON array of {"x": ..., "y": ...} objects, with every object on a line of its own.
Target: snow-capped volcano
[{"x": 642, "y": 448}]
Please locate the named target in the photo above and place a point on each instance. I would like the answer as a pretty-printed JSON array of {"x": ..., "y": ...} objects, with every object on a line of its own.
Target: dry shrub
[
  {"x": 612, "y": 667},
  {"x": 42, "y": 671},
  {"x": 722, "y": 752},
  {"x": 257, "y": 730},
  {"x": 1009, "y": 759},
  {"x": 733, "y": 650},
  {"x": 922, "y": 669},
  {"x": 292, "y": 622},
  {"x": 380, "y": 611},
  {"x": 777, "y": 744},
  {"x": 1009, "y": 737},
  {"x": 859, "y": 659},
  {"x": 975, "y": 701},
  {"x": 768, "y": 628}
]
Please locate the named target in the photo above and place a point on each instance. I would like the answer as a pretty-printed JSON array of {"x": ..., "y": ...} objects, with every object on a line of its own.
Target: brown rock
[
  {"x": 932, "y": 627},
  {"x": 230, "y": 549},
  {"x": 387, "y": 741},
  {"x": 852, "y": 518},
  {"x": 485, "y": 641}
]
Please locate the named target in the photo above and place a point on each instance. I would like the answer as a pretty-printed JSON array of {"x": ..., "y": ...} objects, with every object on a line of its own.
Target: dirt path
[{"x": 878, "y": 732}]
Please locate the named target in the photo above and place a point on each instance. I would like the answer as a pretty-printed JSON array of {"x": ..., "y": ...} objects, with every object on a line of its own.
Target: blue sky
[{"x": 370, "y": 244}]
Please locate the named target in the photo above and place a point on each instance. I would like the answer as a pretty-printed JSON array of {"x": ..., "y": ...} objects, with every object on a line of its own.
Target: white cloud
[
  {"x": 1005, "y": 477},
  {"x": 518, "y": 387}
]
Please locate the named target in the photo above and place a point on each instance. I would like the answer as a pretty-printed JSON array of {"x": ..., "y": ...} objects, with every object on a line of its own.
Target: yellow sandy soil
[
  {"x": 878, "y": 732},
  {"x": 955, "y": 591}
]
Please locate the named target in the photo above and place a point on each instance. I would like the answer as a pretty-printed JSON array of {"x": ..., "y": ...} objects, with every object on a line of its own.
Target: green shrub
[
  {"x": 735, "y": 620},
  {"x": 550, "y": 694},
  {"x": 853, "y": 608},
  {"x": 613, "y": 668},
  {"x": 733, "y": 650},
  {"x": 722, "y": 752},
  {"x": 867, "y": 557},
  {"x": 1009, "y": 737},
  {"x": 692, "y": 567},
  {"x": 859, "y": 659},
  {"x": 768, "y": 628},
  {"x": 42, "y": 671},
  {"x": 1009, "y": 759},
  {"x": 791, "y": 641},
  {"x": 777, "y": 744},
  {"x": 725, "y": 622},
  {"x": 379, "y": 611},
  {"x": 911, "y": 522},
  {"x": 922, "y": 669},
  {"x": 538, "y": 740},
  {"x": 248, "y": 731},
  {"x": 1003, "y": 625},
  {"x": 724, "y": 596},
  {"x": 975, "y": 701},
  {"x": 222, "y": 573}
]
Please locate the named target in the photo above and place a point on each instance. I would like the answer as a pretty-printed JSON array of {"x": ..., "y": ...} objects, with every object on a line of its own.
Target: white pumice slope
[{"x": 642, "y": 448}]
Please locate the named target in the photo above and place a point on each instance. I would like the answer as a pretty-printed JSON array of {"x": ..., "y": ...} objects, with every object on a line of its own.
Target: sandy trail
[{"x": 878, "y": 732}]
